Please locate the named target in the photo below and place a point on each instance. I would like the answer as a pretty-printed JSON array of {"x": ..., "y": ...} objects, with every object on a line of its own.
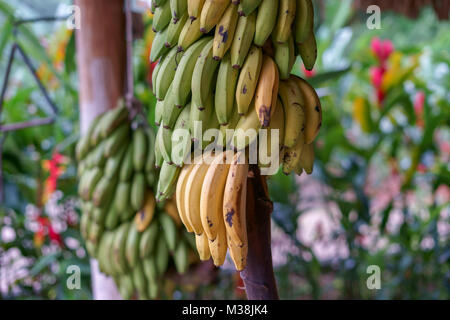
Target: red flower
[
  {"x": 45, "y": 227},
  {"x": 382, "y": 49},
  {"x": 376, "y": 76},
  {"x": 419, "y": 103},
  {"x": 53, "y": 166}
]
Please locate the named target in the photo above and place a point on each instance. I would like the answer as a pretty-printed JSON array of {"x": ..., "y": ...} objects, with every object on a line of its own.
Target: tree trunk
[
  {"x": 258, "y": 275},
  {"x": 101, "y": 59}
]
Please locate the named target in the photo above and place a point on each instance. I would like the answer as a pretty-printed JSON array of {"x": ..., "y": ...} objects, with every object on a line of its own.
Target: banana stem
[{"x": 258, "y": 276}]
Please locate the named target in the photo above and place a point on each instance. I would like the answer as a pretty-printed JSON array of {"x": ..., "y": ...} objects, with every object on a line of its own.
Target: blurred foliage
[{"x": 376, "y": 161}]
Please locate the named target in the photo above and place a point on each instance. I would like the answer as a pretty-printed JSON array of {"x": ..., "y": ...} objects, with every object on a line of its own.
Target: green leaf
[{"x": 43, "y": 262}]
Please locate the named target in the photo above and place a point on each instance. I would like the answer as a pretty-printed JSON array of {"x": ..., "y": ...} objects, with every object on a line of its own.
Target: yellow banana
[
  {"x": 180, "y": 195},
  {"x": 189, "y": 34},
  {"x": 201, "y": 242},
  {"x": 312, "y": 108},
  {"x": 212, "y": 11},
  {"x": 267, "y": 91},
  {"x": 224, "y": 34},
  {"x": 292, "y": 156},
  {"x": 286, "y": 16},
  {"x": 218, "y": 246},
  {"x": 248, "y": 79},
  {"x": 235, "y": 199},
  {"x": 195, "y": 8},
  {"x": 238, "y": 254},
  {"x": 145, "y": 215},
  {"x": 211, "y": 199},
  {"x": 307, "y": 158},
  {"x": 294, "y": 115},
  {"x": 246, "y": 131}
]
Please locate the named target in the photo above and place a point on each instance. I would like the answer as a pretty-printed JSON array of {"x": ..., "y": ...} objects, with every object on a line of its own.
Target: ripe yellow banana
[
  {"x": 307, "y": 158},
  {"x": 265, "y": 147},
  {"x": 201, "y": 242},
  {"x": 248, "y": 79},
  {"x": 230, "y": 127},
  {"x": 304, "y": 20},
  {"x": 212, "y": 11},
  {"x": 224, "y": 34},
  {"x": 265, "y": 21},
  {"x": 211, "y": 199},
  {"x": 238, "y": 254},
  {"x": 243, "y": 38},
  {"x": 189, "y": 34},
  {"x": 180, "y": 195},
  {"x": 294, "y": 115},
  {"x": 195, "y": 8},
  {"x": 286, "y": 16},
  {"x": 308, "y": 51},
  {"x": 312, "y": 108},
  {"x": 292, "y": 156},
  {"x": 246, "y": 131},
  {"x": 218, "y": 246},
  {"x": 192, "y": 195},
  {"x": 234, "y": 199},
  {"x": 267, "y": 91},
  {"x": 145, "y": 216}
]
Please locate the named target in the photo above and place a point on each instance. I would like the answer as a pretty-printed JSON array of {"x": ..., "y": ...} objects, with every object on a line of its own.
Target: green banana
[
  {"x": 155, "y": 75},
  {"x": 150, "y": 160},
  {"x": 304, "y": 20},
  {"x": 171, "y": 111},
  {"x": 178, "y": 8},
  {"x": 208, "y": 139},
  {"x": 132, "y": 246},
  {"x": 225, "y": 90},
  {"x": 203, "y": 75},
  {"x": 167, "y": 180},
  {"x": 118, "y": 252},
  {"x": 112, "y": 218},
  {"x": 230, "y": 126},
  {"x": 116, "y": 140},
  {"x": 181, "y": 257},
  {"x": 139, "y": 149},
  {"x": 180, "y": 148},
  {"x": 126, "y": 286},
  {"x": 158, "y": 47},
  {"x": 84, "y": 223},
  {"x": 285, "y": 57},
  {"x": 167, "y": 73},
  {"x": 243, "y": 38},
  {"x": 161, "y": 256},
  {"x": 159, "y": 159},
  {"x": 248, "y": 6},
  {"x": 98, "y": 155},
  {"x": 113, "y": 119},
  {"x": 164, "y": 138},
  {"x": 148, "y": 240},
  {"x": 138, "y": 191},
  {"x": 169, "y": 230},
  {"x": 139, "y": 281},
  {"x": 173, "y": 34},
  {"x": 159, "y": 110},
  {"x": 161, "y": 17},
  {"x": 113, "y": 163},
  {"x": 308, "y": 51},
  {"x": 104, "y": 191},
  {"x": 246, "y": 131},
  {"x": 150, "y": 271},
  {"x": 122, "y": 197},
  {"x": 181, "y": 85},
  {"x": 94, "y": 177},
  {"x": 94, "y": 234},
  {"x": 248, "y": 79},
  {"x": 126, "y": 168},
  {"x": 265, "y": 21},
  {"x": 200, "y": 117}
]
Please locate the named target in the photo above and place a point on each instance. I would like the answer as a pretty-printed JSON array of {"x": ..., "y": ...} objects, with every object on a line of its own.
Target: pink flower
[
  {"x": 376, "y": 76},
  {"x": 419, "y": 103},
  {"x": 382, "y": 49},
  {"x": 308, "y": 73}
]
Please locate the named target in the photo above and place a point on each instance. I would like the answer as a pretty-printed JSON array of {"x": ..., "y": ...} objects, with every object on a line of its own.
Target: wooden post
[
  {"x": 258, "y": 275},
  {"x": 101, "y": 59}
]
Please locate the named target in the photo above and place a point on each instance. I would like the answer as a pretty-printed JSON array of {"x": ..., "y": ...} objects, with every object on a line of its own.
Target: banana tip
[{"x": 203, "y": 30}]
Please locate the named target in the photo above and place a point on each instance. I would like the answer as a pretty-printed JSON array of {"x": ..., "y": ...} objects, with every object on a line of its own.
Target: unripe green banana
[
  {"x": 127, "y": 215},
  {"x": 98, "y": 155},
  {"x": 139, "y": 281},
  {"x": 248, "y": 80},
  {"x": 94, "y": 176},
  {"x": 171, "y": 111},
  {"x": 94, "y": 234},
  {"x": 149, "y": 266},
  {"x": 181, "y": 85},
  {"x": 265, "y": 21},
  {"x": 182, "y": 146},
  {"x": 159, "y": 159},
  {"x": 158, "y": 47},
  {"x": 173, "y": 34},
  {"x": 286, "y": 16},
  {"x": 113, "y": 119},
  {"x": 304, "y": 20},
  {"x": 150, "y": 160},
  {"x": 84, "y": 223},
  {"x": 200, "y": 116},
  {"x": 285, "y": 57},
  {"x": 225, "y": 90},
  {"x": 99, "y": 214},
  {"x": 224, "y": 34},
  {"x": 181, "y": 257},
  {"x": 307, "y": 158},
  {"x": 167, "y": 181},
  {"x": 84, "y": 145},
  {"x": 113, "y": 163},
  {"x": 95, "y": 136},
  {"x": 155, "y": 75},
  {"x": 132, "y": 246},
  {"x": 212, "y": 123},
  {"x": 308, "y": 51},
  {"x": 148, "y": 240},
  {"x": 138, "y": 191},
  {"x": 164, "y": 138},
  {"x": 189, "y": 34},
  {"x": 112, "y": 218},
  {"x": 126, "y": 286},
  {"x": 161, "y": 256},
  {"x": 162, "y": 16},
  {"x": 159, "y": 110},
  {"x": 126, "y": 169},
  {"x": 178, "y": 8},
  {"x": 248, "y": 6},
  {"x": 104, "y": 191},
  {"x": 122, "y": 197},
  {"x": 169, "y": 230},
  {"x": 118, "y": 252},
  {"x": 167, "y": 73},
  {"x": 117, "y": 140},
  {"x": 139, "y": 149},
  {"x": 204, "y": 75},
  {"x": 243, "y": 38}
]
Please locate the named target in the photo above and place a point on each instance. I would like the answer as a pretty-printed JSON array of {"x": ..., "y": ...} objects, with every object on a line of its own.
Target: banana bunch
[
  {"x": 211, "y": 200},
  {"x": 227, "y": 65},
  {"x": 133, "y": 237}
]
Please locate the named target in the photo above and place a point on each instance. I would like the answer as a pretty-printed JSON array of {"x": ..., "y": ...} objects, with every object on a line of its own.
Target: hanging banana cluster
[
  {"x": 132, "y": 237},
  {"x": 227, "y": 65}
]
